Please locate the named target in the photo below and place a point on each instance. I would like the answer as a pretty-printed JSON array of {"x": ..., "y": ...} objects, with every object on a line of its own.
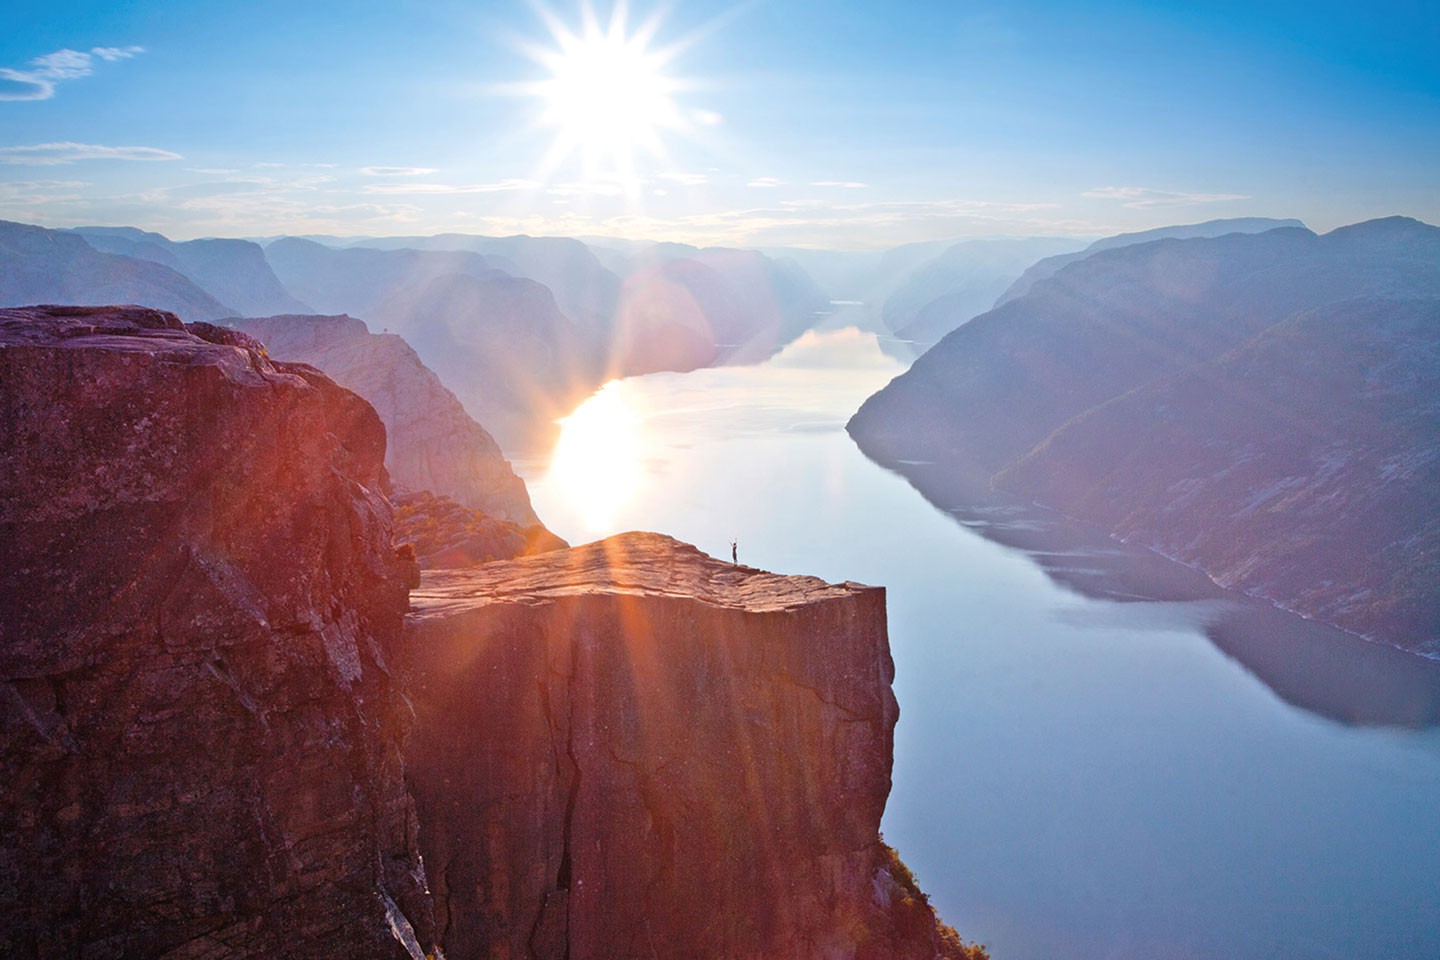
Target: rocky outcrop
[
  {"x": 54, "y": 266},
  {"x": 433, "y": 443},
  {"x": 199, "y": 732},
  {"x": 444, "y": 533},
  {"x": 207, "y": 685},
  {"x": 630, "y": 749},
  {"x": 1258, "y": 405}
]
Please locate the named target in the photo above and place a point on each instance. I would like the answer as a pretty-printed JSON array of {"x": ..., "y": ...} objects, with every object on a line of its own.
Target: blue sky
[{"x": 840, "y": 124}]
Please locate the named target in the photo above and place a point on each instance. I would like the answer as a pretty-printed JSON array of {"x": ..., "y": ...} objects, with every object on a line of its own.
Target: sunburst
[{"x": 608, "y": 96}]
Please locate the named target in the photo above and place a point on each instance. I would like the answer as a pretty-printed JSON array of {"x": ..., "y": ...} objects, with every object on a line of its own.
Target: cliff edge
[
  {"x": 199, "y": 735},
  {"x": 634, "y": 749}
]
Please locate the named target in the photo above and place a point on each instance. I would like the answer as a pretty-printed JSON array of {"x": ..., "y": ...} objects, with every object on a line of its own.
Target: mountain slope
[
  {"x": 432, "y": 444},
  {"x": 1191, "y": 231},
  {"x": 1052, "y": 395},
  {"x": 963, "y": 282},
  {"x": 52, "y": 266},
  {"x": 232, "y": 271}
]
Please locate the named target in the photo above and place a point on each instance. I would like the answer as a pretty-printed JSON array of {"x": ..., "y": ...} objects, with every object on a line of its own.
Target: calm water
[{"x": 1074, "y": 777}]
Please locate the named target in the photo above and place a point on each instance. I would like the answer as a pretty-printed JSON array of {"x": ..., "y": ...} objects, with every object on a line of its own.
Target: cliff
[
  {"x": 207, "y": 693},
  {"x": 444, "y": 533},
  {"x": 433, "y": 443},
  {"x": 632, "y": 749},
  {"x": 199, "y": 734},
  {"x": 1256, "y": 405}
]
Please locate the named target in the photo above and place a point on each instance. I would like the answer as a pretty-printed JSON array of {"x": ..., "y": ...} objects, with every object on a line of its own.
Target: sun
[{"x": 608, "y": 96}]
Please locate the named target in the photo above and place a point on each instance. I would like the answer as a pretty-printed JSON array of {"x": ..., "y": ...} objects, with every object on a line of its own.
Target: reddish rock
[
  {"x": 443, "y": 533},
  {"x": 199, "y": 734},
  {"x": 433, "y": 443},
  {"x": 630, "y": 749}
]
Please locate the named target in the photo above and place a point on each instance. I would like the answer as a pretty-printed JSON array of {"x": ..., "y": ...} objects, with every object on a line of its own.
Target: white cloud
[
  {"x": 37, "y": 80},
  {"x": 1140, "y": 198},
  {"x": 764, "y": 182},
  {"x": 686, "y": 179},
  {"x": 843, "y": 184},
  {"x": 54, "y": 154},
  {"x": 436, "y": 189},
  {"x": 397, "y": 171}
]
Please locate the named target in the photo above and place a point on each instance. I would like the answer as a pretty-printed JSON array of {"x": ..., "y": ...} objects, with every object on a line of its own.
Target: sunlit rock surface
[
  {"x": 433, "y": 443},
  {"x": 444, "y": 533},
  {"x": 199, "y": 733},
  {"x": 631, "y": 749}
]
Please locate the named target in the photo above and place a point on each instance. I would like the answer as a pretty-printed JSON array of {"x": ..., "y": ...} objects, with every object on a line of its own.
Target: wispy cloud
[
  {"x": 438, "y": 189},
  {"x": 54, "y": 154},
  {"x": 37, "y": 80},
  {"x": 397, "y": 171},
  {"x": 765, "y": 182},
  {"x": 1141, "y": 198},
  {"x": 843, "y": 184}
]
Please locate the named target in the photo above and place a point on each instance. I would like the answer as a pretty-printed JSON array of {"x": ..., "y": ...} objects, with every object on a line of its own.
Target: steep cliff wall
[
  {"x": 199, "y": 735},
  {"x": 630, "y": 749},
  {"x": 624, "y": 749},
  {"x": 433, "y": 443}
]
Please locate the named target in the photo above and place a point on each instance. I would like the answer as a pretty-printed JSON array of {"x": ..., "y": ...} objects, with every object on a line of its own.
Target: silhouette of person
[{"x": 734, "y": 552}]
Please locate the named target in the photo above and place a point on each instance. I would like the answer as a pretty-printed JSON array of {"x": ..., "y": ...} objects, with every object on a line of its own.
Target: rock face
[
  {"x": 1260, "y": 406},
  {"x": 199, "y": 733},
  {"x": 54, "y": 266},
  {"x": 445, "y": 534},
  {"x": 207, "y": 685},
  {"x": 631, "y": 749},
  {"x": 433, "y": 443}
]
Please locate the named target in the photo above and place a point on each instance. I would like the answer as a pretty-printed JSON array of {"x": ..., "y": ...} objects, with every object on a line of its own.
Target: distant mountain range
[
  {"x": 521, "y": 328},
  {"x": 233, "y": 271},
  {"x": 1263, "y": 406},
  {"x": 963, "y": 282},
  {"x": 52, "y": 266},
  {"x": 1189, "y": 231}
]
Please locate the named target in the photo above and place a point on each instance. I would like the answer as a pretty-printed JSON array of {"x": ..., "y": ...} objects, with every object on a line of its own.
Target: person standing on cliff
[{"x": 734, "y": 552}]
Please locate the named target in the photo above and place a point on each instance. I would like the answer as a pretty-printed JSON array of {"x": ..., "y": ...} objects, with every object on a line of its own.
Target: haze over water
[{"x": 1073, "y": 776}]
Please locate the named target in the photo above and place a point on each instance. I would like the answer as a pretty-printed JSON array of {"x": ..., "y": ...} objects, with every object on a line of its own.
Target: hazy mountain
[
  {"x": 584, "y": 289},
  {"x": 745, "y": 304},
  {"x": 355, "y": 280},
  {"x": 1172, "y": 389},
  {"x": 502, "y": 344},
  {"x": 53, "y": 266},
  {"x": 1210, "y": 228},
  {"x": 431, "y": 443},
  {"x": 232, "y": 271},
  {"x": 963, "y": 282}
]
